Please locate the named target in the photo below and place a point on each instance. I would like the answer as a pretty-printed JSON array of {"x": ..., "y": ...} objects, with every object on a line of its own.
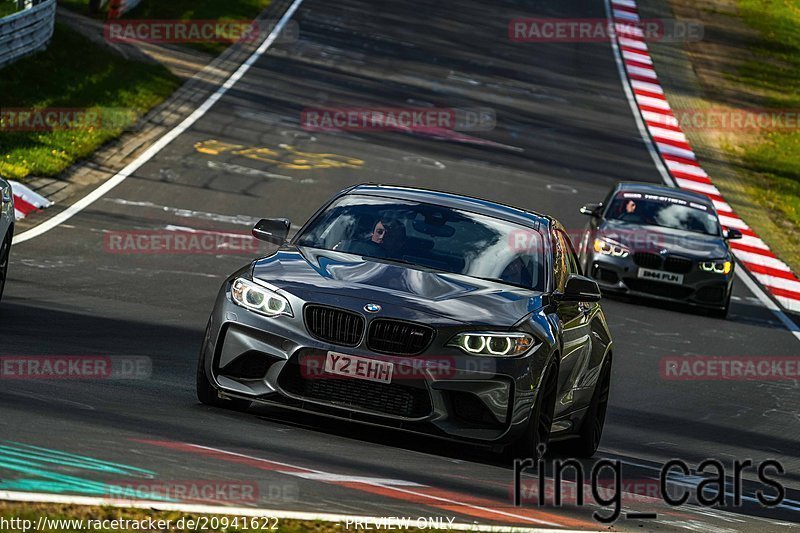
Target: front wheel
[
  {"x": 5, "y": 252},
  {"x": 534, "y": 441},
  {"x": 592, "y": 427}
]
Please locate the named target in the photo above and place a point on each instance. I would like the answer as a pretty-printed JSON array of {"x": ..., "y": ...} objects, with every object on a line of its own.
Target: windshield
[
  {"x": 432, "y": 237},
  {"x": 664, "y": 211}
]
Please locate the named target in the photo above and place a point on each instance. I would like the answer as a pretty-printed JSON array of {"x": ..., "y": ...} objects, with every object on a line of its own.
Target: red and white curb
[
  {"x": 681, "y": 162},
  {"x": 27, "y": 201}
]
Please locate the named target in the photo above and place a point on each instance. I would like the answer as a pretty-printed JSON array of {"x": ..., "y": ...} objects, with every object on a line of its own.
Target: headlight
[
  {"x": 259, "y": 299},
  {"x": 493, "y": 344},
  {"x": 606, "y": 247},
  {"x": 720, "y": 266}
]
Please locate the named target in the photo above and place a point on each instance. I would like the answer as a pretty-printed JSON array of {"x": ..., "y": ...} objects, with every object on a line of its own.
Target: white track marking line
[
  {"x": 668, "y": 149},
  {"x": 254, "y": 458},
  {"x": 240, "y": 220},
  {"x": 476, "y": 507},
  {"x": 386, "y": 486},
  {"x": 31, "y": 497},
  {"x": 631, "y": 43},
  {"x": 659, "y": 163},
  {"x": 159, "y": 145},
  {"x": 741, "y": 273},
  {"x": 697, "y": 186},
  {"x": 364, "y": 480},
  {"x": 647, "y": 86},
  {"x": 649, "y": 101},
  {"x": 639, "y": 58}
]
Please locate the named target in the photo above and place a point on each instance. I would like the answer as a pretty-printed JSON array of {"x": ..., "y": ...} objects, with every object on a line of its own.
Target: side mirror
[
  {"x": 580, "y": 289},
  {"x": 592, "y": 210},
  {"x": 733, "y": 234},
  {"x": 273, "y": 230}
]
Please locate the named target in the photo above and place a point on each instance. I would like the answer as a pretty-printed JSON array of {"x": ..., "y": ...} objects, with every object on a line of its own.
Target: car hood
[
  {"x": 315, "y": 275},
  {"x": 655, "y": 239}
]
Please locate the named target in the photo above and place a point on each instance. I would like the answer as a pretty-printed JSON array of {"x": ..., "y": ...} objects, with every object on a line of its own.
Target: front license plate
[
  {"x": 660, "y": 275},
  {"x": 358, "y": 367}
]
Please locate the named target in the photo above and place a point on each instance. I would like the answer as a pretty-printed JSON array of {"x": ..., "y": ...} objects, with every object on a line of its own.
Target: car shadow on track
[
  {"x": 714, "y": 436},
  {"x": 378, "y": 435},
  {"x": 742, "y": 312}
]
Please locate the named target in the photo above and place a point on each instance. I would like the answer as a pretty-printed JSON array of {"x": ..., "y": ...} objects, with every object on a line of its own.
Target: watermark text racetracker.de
[
  {"x": 197, "y": 31},
  {"x": 181, "y": 241},
  {"x": 720, "y": 119},
  {"x": 29, "y": 119},
  {"x": 640, "y": 490},
  {"x": 75, "y": 367},
  {"x": 393, "y": 369},
  {"x": 587, "y": 30},
  {"x": 207, "y": 491},
  {"x": 729, "y": 368},
  {"x": 634, "y": 240},
  {"x": 422, "y": 120}
]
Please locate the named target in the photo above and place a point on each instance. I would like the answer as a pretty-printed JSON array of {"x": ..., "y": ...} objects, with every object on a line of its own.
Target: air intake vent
[
  {"x": 647, "y": 260},
  {"x": 333, "y": 325},
  {"x": 397, "y": 337},
  {"x": 681, "y": 265},
  {"x": 381, "y": 398}
]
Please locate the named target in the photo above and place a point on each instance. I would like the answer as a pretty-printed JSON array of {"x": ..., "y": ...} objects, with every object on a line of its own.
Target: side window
[
  {"x": 565, "y": 262},
  {"x": 560, "y": 262},
  {"x": 572, "y": 257}
]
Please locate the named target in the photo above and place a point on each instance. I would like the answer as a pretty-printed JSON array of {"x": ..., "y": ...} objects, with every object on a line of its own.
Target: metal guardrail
[{"x": 26, "y": 31}]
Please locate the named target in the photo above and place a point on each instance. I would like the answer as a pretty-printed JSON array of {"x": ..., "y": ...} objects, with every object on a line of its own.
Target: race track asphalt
[{"x": 564, "y": 135}]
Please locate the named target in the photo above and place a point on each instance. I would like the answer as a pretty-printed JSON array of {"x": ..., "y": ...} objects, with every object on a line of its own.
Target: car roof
[
  {"x": 455, "y": 201},
  {"x": 691, "y": 196}
]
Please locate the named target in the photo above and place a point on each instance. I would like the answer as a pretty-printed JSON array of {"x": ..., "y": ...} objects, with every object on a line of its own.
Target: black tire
[
  {"x": 5, "y": 253},
  {"x": 208, "y": 395},
  {"x": 591, "y": 431},
  {"x": 529, "y": 445}
]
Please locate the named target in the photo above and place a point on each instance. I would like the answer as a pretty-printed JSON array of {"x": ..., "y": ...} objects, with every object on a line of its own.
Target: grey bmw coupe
[{"x": 419, "y": 310}]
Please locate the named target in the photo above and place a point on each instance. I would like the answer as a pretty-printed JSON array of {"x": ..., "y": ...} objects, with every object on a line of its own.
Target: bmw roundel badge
[{"x": 372, "y": 308}]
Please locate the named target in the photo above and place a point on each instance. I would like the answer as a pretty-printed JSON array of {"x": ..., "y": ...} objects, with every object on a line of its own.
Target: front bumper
[
  {"x": 441, "y": 392},
  {"x": 698, "y": 288}
]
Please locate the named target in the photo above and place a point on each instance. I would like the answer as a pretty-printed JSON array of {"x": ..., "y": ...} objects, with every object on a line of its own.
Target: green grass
[
  {"x": 188, "y": 10},
  {"x": 771, "y": 160},
  {"x": 776, "y": 70},
  {"x": 774, "y": 164},
  {"x": 74, "y": 73},
  {"x": 7, "y": 7}
]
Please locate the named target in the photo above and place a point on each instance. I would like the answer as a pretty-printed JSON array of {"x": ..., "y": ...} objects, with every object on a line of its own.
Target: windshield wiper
[
  {"x": 502, "y": 282},
  {"x": 409, "y": 263}
]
